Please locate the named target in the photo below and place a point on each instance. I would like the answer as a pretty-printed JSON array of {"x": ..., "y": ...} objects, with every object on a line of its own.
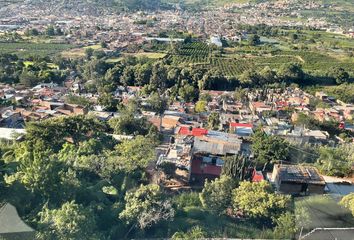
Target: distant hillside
[
  {"x": 112, "y": 4},
  {"x": 155, "y": 4},
  {"x": 99, "y": 6}
]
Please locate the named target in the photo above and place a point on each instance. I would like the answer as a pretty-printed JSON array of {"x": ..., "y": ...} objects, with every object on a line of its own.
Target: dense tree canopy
[
  {"x": 70, "y": 221},
  {"x": 145, "y": 206},
  {"x": 268, "y": 149},
  {"x": 258, "y": 200},
  {"x": 217, "y": 194}
]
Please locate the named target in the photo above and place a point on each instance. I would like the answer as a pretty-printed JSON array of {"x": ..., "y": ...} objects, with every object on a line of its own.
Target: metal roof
[{"x": 301, "y": 174}]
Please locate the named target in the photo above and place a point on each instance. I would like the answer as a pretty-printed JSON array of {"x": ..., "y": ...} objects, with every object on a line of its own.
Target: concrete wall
[
  {"x": 291, "y": 188},
  {"x": 295, "y": 188},
  {"x": 317, "y": 189}
]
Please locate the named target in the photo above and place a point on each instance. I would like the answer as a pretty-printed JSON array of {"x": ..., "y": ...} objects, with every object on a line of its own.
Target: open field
[
  {"x": 26, "y": 49},
  {"x": 152, "y": 55},
  {"x": 73, "y": 53},
  {"x": 50, "y": 65},
  {"x": 78, "y": 52}
]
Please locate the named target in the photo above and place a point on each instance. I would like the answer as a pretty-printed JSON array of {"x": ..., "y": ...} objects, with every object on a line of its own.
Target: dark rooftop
[{"x": 303, "y": 174}]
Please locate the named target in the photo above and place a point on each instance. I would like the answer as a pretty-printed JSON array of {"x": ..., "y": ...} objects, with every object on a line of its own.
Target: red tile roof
[{"x": 195, "y": 131}]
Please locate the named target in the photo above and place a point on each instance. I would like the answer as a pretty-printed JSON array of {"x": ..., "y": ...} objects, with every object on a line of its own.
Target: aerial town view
[{"x": 176, "y": 119}]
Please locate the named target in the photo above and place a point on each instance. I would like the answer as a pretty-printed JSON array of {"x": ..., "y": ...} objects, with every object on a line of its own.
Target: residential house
[
  {"x": 295, "y": 179},
  {"x": 259, "y": 107},
  {"x": 241, "y": 129}
]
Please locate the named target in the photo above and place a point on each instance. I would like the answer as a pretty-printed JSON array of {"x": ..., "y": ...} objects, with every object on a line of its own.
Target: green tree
[
  {"x": 268, "y": 75},
  {"x": 168, "y": 168},
  {"x": 285, "y": 226},
  {"x": 79, "y": 100},
  {"x": 142, "y": 74},
  {"x": 254, "y": 40},
  {"x": 159, "y": 105},
  {"x": 217, "y": 194},
  {"x": 188, "y": 93},
  {"x": 336, "y": 161},
  {"x": 200, "y": 106},
  {"x": 128, "y": 78},
  {"x": 158, "y": 77},
  {"x": 305, "y": 120},
  {"x": 128, "y": 124},
  {"x": 54, "y": 132},
  {"x": 339, "y": 75},
  {"x": 268, "y": 149},
  {"x": 250, "y": 78},
  {"x": 50, "y": 31},
  {"x": 205, "y": 97},
  {"x": 98, "y": 54},
  {"x": 135, "y": 154},
  {"x": 291, "y": 72},
  {"x": 108, "y": 102},
  {"x": 195, "y": 232},
  {"x": 348, "y": 202},
  {"x": 240, "y": 94},
  {"x": 146, "y": 206},
  {"x": 89, "y": 52},
  {"x": 104, "y": 45},
  {"x": 113, "y": 75},
  {"x": 32, "y": 32},
  {"x": 28, "y": 78},
  {"x": 40, "y": 172},
  {"x": 214, "y": 120},
  {"x": 234, "y": 166},
  {"x": 257, "y": 200},
  {"x": 71, "y": 221}
]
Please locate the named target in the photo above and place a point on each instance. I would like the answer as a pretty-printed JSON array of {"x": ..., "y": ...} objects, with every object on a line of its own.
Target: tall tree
[
  {"x": 234, "y": 167},
  {"x": 214, "y": 120},
  {"x": 258, "y": 200},
  {"x": 146, "y": 206},
  {"x": 339, "y": 75},
  {"x": 135, "y": 154},
  {"x": 71, "y": 221},
  {"x": 159, "y": 105},
  {"x": 216, "y": 195},
  {"x": 268, "y": 149}
]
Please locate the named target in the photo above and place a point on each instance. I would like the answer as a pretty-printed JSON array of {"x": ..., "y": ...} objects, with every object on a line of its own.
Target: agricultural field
[
  {"x": 26, "y": 49},
  {"x": 315, "y": 51},
  {"x": 75, "y": 53}
]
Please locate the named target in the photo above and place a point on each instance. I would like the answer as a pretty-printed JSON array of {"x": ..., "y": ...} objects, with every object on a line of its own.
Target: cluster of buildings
[
  {"x": 119, "y": 30},
  {"x": 38, "y": 103},
  {"x": 201, "y": 152},
  {"x": 196, "y": 150}
]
